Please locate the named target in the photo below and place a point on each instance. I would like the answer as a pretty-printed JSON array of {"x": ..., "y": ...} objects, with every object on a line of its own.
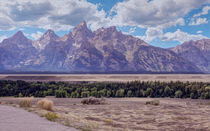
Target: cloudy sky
[{"x": 163, "y": 23}]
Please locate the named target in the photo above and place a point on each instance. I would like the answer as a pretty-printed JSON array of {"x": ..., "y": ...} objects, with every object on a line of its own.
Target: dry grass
[
  {"x": 131, "y": 114},
  {"x": 51, "y": 116},
  {"x": 26, "y": 102},
  {"x": 45, "y": 104}
]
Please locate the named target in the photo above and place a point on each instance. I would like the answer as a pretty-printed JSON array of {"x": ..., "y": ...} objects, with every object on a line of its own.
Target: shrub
[
  {"x": 20, "y": 95},
  {"x": 26, "y": 102},
  {"x": 51, "y": 116},
  {"x": 93, "y": 101},
  {"x": 45, "y": 104},
  {"x": 153, "y": 102},
  {"x": 178, "y": 94},
  {"x": 193, "y": 96}
]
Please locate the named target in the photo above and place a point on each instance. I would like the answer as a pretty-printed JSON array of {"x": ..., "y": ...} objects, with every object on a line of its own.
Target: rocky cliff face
[
  {"x": 105, "y": 50},
  {"x": 197, "y": 52}
]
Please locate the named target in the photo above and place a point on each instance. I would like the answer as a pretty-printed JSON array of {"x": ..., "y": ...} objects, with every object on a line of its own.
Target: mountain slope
[
  {"x": 198, "y": 52},
  {"x": 104, "y": 50},
  {"x": 17, "y": 52}
]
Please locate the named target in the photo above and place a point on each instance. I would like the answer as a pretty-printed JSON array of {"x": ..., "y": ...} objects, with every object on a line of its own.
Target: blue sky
[{"x": 164, "y": 23}]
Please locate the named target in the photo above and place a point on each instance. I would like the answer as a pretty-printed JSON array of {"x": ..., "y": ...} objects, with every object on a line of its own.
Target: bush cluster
[{"x": 93, "y": 101}]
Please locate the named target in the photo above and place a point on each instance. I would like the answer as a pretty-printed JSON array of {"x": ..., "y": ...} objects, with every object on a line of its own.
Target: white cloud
[
  {"x": 50, "y": 14},
  {"x": 3, "y": 37},
  {"x": 132, "y": 30},
  {"x": 178, "y": 35},
  {"x": 199, "y": 32},
  {"x": 181, "y": 36},
  {"x": 151, "y": 34},
  {"x": 205, "y": 11},
  {"x": 198, "y": 21},
  {"x": 36, "y": 35},
  {"x": 65, "y": 14},
  {"x": 153, "y": 13}
]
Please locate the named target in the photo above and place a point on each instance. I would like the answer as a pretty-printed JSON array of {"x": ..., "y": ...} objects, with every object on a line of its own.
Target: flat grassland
[
  {"x": 108, "y": 77},
  {"x": 129, "y": 114}
]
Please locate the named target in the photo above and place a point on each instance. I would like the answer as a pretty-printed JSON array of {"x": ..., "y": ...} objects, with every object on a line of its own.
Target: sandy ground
[
  {"x": 16, "y": 119},
  {"x": 130, "y": 114},
  {"x": 108, "y": 77}
]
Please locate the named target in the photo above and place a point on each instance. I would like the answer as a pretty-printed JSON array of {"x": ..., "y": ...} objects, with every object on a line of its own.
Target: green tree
[
  {"x": 129, "y": 93},
  {"x": 193, "y": 96},
  {"x": 61, "y": 94},
  {"x": 167, "y": 91},
  {"x": 149, "y": 92},
  {"x": 75, "y": 94},
  {"x": 85, "y": 94},
  {"x": 108, "y": 93},
  {"x": 120, "y": 93},
  {"x": 178, "y": 94}
]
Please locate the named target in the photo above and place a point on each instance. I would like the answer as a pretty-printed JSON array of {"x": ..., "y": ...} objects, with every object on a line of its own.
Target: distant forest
[{"x": 194, "y": 90}]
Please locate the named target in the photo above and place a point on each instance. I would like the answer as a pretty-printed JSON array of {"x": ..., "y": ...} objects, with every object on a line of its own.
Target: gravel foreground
[{"x": 16, "y": 119}]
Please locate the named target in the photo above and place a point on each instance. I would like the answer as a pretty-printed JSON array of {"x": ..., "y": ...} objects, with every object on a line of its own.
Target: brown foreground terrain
[
  {"x": 108, "y": 77},
  {"x": 128, "y": 114}
]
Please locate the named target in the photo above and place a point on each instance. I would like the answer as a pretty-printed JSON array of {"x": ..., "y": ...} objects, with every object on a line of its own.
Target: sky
[{"x": 161, "y": 23}]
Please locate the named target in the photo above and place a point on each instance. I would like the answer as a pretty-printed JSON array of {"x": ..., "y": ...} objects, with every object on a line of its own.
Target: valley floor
[
  {"x": 107, "y": 77},
  {"x": 125, "y": 114}
]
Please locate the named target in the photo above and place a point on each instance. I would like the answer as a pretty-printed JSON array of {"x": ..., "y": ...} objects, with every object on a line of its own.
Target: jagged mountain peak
[
  {"x": 50, "y": 35},
  {"x": 81, "y": 29},
  {"x": 46, "y": 38},
  {"x": 49, "y": 31},
  {"x": 18, "y": 35},
  {"x": 81, "y": 33},
  {"x": 18, "y": 38},
  {"x": 83, "y": 24}
]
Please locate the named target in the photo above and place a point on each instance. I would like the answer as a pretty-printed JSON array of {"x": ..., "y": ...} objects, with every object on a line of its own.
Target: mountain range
[{"x": 103, "y": 50}]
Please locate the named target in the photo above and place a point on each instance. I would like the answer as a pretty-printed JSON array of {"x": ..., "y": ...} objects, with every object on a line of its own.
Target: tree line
[{"x": 194, "y": 90}]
